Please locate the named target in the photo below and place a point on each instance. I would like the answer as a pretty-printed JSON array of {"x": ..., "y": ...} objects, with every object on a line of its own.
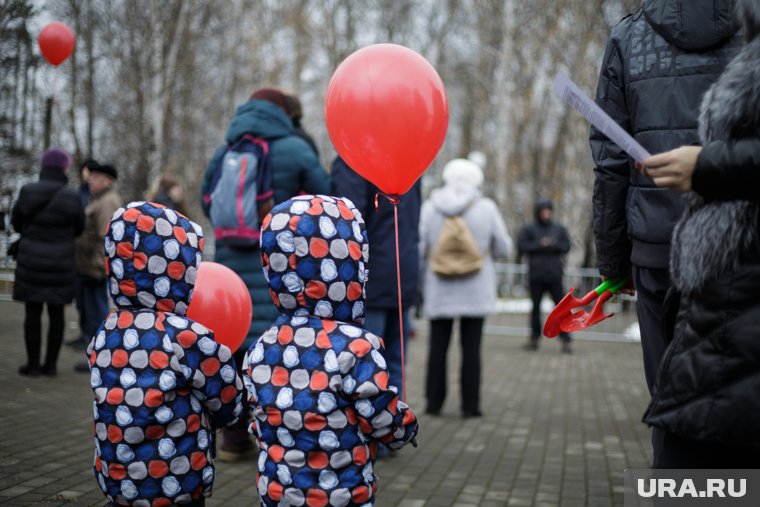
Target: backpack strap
[{"x": 256, "y": 140}]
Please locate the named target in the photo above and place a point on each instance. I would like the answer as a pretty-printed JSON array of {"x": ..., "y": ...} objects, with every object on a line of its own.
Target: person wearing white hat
[{"x": 459, "y": 276}]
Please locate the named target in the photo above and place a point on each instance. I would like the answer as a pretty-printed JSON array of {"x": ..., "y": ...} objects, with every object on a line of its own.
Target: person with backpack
[
  {"x": 461, "y": 233},
  {"x": 49, "y": 216},
  {"x": 544, "y": 242},
  {"x": 274, "y": 164}
]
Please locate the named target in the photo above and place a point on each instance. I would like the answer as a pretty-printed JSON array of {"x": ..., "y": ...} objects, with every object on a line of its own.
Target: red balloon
[
  {"x": 222, "y": 303},
  {"x": 387, "y": 114},
  {"x": 56, "y": 42}
]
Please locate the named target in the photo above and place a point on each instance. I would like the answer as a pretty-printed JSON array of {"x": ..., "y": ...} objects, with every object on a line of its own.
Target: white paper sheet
[{"x": 570, "y": 93}]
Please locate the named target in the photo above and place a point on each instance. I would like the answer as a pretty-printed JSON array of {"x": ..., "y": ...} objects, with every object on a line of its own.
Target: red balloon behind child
[{"x": 222, "y": 303}]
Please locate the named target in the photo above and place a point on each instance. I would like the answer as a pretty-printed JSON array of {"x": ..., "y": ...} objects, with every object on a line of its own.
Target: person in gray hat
[{"x": 104, "y": 201}]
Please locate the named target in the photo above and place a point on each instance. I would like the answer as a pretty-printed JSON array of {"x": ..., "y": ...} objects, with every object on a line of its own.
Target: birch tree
[{"x": 153, "y": 84}]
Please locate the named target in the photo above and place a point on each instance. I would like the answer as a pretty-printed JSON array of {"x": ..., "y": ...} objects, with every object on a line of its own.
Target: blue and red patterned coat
[
  {"x": 317, "y": 381},
  {"x": 162, "y": 384}
]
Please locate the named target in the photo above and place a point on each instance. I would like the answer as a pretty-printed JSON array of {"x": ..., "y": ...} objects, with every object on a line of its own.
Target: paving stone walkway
[{"x": 558, "y": 430}]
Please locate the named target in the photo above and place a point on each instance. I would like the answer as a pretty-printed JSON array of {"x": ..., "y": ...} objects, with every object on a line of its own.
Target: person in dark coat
[
  {"x": 382, "y": 290},
  {"x": 544, "y": 242},
  {"x": 48, "y": 215},
  {"x": 706, "y": 391},
  {"x": 657, "y": 65},
  {"x": 295, "y": 168}
]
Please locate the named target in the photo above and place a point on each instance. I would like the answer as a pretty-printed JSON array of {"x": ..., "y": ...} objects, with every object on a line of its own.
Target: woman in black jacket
[
  {"x": 49, "y": 216},
  {"x": 706, "y": 392}
]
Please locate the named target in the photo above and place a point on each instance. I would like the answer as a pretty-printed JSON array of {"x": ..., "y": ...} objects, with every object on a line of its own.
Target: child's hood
[
  {"x": 314, "y": 251},
  {"x": 152, "y": 257}
]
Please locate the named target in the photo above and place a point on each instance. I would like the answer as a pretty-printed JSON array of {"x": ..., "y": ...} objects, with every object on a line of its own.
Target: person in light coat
[{"x": 469, "y": 298}]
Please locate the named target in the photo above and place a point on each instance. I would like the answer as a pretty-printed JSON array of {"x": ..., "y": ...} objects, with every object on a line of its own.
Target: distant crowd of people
[{"x": 319, "y": 383}]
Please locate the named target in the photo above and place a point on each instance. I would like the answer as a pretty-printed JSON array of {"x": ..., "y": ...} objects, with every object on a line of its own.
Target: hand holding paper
[{"x": 570, "y": 93}]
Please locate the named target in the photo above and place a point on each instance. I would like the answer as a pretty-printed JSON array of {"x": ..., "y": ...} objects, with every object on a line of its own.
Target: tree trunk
[
  {"x": 48, "y": 121},
  {"x": 89, "y": 84}
]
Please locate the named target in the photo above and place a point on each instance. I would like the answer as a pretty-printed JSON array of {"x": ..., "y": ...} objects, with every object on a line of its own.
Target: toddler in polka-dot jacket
[
  {"x": 162, "y": 385},
  {"x": 316, "y": 380}
]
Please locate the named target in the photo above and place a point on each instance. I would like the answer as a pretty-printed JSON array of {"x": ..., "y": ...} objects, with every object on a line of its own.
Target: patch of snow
[{"x": 632, "y": 332}]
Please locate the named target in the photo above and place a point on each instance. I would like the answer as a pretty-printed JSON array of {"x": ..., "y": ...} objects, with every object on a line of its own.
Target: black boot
[{"x": 30, "y": 370}]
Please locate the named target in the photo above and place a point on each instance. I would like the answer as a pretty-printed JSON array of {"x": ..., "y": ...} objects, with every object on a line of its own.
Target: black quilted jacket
[{"x": 658, "y": 64}]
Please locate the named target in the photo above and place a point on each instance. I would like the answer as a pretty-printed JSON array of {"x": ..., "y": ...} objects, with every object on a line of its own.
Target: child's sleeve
[
  {"x": 381, "y": 414},
  {"x": 215, "y": 381}
]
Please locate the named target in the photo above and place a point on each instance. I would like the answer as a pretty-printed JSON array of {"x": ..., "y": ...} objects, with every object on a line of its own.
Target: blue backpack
[{"x": 240, "y": 182}]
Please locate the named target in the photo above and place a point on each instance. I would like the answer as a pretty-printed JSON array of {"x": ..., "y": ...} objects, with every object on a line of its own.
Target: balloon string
[
  {"x": 400, "y": 308},
  {"x": 393, "y": 199}
]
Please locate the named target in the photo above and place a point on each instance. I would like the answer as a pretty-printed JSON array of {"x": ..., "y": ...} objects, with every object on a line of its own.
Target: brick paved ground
[{"x": 558, "y": 431}]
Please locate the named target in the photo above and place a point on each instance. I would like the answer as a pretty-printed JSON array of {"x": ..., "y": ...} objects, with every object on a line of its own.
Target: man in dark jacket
[
  {"x": 382, "y": 289},
  {"x": 680, "y": 47},
  {"x": 658, "y": 64},
  {"x": 544, "y": 242}
]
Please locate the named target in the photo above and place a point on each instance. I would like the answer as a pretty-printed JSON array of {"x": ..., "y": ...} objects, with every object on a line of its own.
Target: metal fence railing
[
  {"x": 513, "y": 306},
  {"x": 7, "y": 265}
]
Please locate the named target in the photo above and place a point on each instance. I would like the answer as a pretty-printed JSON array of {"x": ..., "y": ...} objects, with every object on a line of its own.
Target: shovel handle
[
  {"x": 621, "y": 283},
  {"x": 612, "y": 284}
]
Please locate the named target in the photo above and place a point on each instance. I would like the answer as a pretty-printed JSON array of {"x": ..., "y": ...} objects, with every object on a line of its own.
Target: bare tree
[{"x": 153, "y": 84}]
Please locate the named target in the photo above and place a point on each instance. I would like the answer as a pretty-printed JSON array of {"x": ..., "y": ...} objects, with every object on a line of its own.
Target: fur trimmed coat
[{"x": 710, "y": 376}]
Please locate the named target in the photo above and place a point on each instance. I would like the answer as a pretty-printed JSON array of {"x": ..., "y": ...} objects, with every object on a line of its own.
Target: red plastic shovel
[{"x": 563, "y": 318}]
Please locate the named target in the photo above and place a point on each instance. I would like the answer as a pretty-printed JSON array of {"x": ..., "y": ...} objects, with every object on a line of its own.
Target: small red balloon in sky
[{"x": 56, "y": 42}]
